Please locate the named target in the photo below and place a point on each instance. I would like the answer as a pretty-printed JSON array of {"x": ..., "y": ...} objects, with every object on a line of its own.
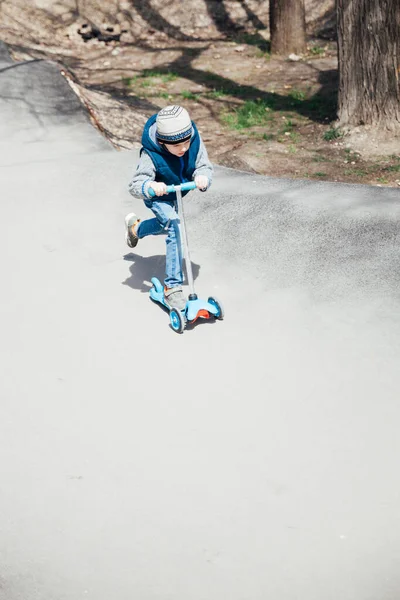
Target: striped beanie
[{"x": 174, "y": 125}]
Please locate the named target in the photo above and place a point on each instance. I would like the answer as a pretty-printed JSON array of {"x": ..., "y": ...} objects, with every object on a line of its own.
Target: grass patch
[
  {"x": 320, "y": 174},
  {"x": 319, "y": 158},
  {"x": 392, "y": 169},
  {"x": 332, "y": 134},
  {"x": 166, "y": 77},
  {"x": 382, "y": 180},
  {"x": 288, "y": 126},
  {"x": 129, "y": 81},
  {"x": 318, "y": 107},
  {"x": 258, "y": 135},
  {"x": 358, "y": 172},
  {"x": 250, "y": 114},
  {"x": 148, "y": 78},
  {"x": 297, "y": 94},
  {"x": 287, "y": 131},
  {"x": 262, "y": 54},
  {"x": 190, "y": 95},
  {"x": 216, "y": 94},
  {"x": 146, "y": 82},
  {"x": 316, "y": 50}
]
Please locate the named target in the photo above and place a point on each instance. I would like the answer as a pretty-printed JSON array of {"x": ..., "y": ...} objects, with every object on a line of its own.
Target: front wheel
[
  {"x": 218, "y": 306},
  {"x": 178, "y": 321}
]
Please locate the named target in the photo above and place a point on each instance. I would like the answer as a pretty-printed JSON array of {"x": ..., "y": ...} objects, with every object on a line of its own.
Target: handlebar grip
[
  {"x": 189, "y": 185},
  {"x": 185, "y": 187}
]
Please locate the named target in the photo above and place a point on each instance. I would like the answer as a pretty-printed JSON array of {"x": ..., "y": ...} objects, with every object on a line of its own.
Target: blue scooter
[{"x": 195, "y": 308}]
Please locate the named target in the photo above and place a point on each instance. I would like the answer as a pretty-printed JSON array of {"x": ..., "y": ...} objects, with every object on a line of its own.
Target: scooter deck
[{"x": 158, "y": 295}]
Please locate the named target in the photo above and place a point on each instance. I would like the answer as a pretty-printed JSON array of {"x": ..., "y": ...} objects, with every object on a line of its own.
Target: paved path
[{"x": 250, "y": 459}]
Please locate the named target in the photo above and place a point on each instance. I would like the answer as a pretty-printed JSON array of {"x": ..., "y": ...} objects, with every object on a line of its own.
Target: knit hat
[{"x": 174, "y": 125}]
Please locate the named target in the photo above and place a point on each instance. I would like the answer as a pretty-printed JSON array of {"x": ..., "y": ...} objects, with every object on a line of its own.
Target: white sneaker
[
  {"x": 130, "y": 237},
  {"x": 175, "y": 298}
]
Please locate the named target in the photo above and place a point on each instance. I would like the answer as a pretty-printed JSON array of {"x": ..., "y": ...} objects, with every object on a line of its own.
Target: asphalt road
[{"x": 250, "y": 459}]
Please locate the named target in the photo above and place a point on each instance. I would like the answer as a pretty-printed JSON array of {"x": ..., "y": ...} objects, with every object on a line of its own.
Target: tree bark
[
  {"x": 369, "y": 63},
  {"x": 287, "y": 26}
]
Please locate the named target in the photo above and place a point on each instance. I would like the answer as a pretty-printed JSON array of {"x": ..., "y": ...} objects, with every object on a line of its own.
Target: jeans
[{"x": 166, "y": 221}]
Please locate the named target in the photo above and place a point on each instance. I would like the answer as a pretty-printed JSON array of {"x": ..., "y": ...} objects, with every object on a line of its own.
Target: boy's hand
[
  {"x": 159, "y": 188},
  {"x": 201, "y": 182}
]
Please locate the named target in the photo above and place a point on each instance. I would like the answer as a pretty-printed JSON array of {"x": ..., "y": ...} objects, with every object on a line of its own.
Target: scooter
[{"x": 195, "y": 307}]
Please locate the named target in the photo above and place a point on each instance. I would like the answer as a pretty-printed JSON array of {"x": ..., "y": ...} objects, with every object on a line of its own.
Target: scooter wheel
[
  {"x": 217, "y": 304},
  {"x": 178, "y": 321}
]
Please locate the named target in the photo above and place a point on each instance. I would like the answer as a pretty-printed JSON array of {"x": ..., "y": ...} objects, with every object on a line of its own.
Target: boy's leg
[
  {"x": 148, "y": 227},
  {"x": 168, "y": 219}
]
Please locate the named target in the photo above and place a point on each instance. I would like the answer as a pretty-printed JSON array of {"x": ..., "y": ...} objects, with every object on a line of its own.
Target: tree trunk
[
  {"x": 369, "y": 62},
  {"x": 287, "y": 26}
]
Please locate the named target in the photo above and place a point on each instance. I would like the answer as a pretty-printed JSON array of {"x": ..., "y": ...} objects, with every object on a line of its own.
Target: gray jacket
[{"x": 145, "y": 171}]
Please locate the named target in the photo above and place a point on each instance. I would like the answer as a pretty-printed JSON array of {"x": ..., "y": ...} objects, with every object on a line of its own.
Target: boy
[{"x": 172, "y": 153}]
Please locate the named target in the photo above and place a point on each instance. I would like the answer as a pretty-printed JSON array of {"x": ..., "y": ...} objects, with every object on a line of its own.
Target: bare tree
[
  {"x": 288, "y": 26},
  {"x": 369, "y": 62}
]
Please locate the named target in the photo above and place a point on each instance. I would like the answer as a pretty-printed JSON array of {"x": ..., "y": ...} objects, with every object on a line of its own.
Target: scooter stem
[{"x": 185, "y": 244}]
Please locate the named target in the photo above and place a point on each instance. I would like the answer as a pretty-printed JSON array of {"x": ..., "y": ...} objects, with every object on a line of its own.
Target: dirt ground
[{"x": 274, "y": 116}]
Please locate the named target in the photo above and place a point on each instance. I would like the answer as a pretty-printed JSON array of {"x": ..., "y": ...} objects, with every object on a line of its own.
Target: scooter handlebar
[{"x": 185, "y": 187}]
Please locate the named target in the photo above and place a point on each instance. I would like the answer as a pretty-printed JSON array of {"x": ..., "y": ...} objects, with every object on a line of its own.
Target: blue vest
[{"x": 171, "y": 169}]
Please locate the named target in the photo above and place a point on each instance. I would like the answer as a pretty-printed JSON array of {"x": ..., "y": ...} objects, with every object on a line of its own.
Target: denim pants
[{"x": 166, "y": 222}]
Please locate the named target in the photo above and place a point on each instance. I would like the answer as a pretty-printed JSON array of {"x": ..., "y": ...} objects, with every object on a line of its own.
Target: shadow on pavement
[{"x": 143, "y": 268}]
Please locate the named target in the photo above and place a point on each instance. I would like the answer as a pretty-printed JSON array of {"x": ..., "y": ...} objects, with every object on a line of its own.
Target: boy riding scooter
[{"x": 172, "y": 153}]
